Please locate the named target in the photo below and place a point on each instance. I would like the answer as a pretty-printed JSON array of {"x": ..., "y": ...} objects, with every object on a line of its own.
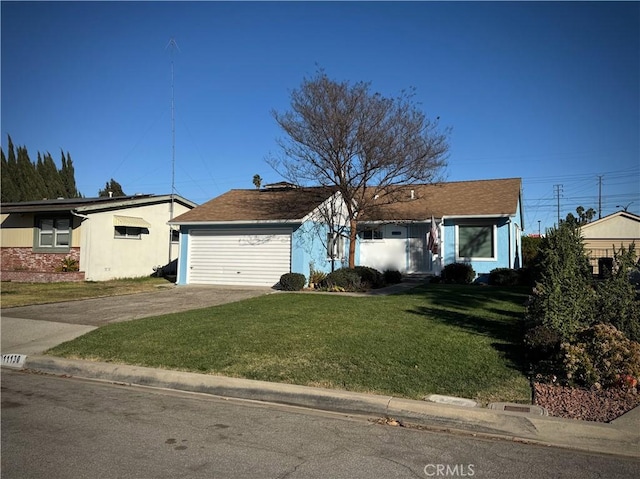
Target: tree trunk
[{"x": 353, "y": 234}]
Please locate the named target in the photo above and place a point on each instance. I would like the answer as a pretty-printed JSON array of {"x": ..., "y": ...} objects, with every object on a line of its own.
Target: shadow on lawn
[
  {"x": 507, "y": 332},
  {"x": 470, "y": 296}
]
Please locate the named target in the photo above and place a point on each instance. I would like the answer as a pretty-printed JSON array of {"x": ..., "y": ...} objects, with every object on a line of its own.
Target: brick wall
[
  {"x": 23, "y": 264},
  {"x": 41, "y": 277}
]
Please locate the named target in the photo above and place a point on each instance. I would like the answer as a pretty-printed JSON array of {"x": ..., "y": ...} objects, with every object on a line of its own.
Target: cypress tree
[
  {"x": 67, "y": 174},
  {"x": 52, "y": 178},
  {"x": 30, "y": 184},
  {"x": 10, "y": 191}
]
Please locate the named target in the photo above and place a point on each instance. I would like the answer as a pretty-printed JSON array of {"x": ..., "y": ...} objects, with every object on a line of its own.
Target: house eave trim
[{"x": 234, "y": 222}]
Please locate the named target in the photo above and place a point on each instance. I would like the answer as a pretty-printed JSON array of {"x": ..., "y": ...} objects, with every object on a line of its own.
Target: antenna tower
[{"x": 173, "y": 46}]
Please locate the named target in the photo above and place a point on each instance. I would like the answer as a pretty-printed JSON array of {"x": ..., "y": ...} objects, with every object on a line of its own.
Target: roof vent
[
  {"x": 282, "y": 185},
  {"x": 413, "y": 195}
]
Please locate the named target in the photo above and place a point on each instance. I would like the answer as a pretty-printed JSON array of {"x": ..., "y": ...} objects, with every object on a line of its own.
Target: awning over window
[{"x": 130, "y": 221}]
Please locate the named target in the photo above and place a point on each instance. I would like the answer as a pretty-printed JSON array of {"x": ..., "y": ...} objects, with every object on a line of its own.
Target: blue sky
[{"x": 545, "y": 91}]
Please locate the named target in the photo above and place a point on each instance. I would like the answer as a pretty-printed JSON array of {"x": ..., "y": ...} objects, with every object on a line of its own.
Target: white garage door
[{"x": 239, "y": 257}]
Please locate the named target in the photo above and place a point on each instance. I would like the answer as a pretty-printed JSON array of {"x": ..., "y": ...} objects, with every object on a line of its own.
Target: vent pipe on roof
[
  {"x": 110, "y": 194},
  {"x": 413, "y": 195}
]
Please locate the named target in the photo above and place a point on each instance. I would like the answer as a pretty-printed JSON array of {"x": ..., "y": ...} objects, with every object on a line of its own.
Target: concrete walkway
[{"x": 32, "y": 337}]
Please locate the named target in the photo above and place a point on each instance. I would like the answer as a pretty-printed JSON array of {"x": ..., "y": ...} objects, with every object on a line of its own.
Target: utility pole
[
  {"x": 538, "y": 227},
  {"x": 600, "y": 196},
  {"x": 558, "y": 191}
]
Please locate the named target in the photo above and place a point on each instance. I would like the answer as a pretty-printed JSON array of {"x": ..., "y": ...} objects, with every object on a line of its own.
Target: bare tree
[{"x": 365, "y": 145}]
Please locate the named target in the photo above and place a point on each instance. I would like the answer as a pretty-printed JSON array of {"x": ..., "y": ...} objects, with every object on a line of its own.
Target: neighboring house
[
  {"x": 613, "y": 231},
  {"x": 109, "y": 238},
  {"x": 254, "y": 236}
]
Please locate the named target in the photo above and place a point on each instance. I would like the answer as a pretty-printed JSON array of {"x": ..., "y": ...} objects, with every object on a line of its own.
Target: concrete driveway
[
  {"x": 34, "y": 329},
  {"x": 101, "y": 311}
]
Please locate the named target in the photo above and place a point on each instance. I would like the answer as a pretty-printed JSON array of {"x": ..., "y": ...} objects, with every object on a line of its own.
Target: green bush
[
  {"x": 392, "y": 276},
  {"x": 504, "y": 277},
  {"x": 616, "y": 301},
  {"x": 292, "y": 281},
  {"x": 563, "y": 299},
  {"x": 542, "y": 343},
  {"x": 601, "y": 356},
  {"x": 317, "y": 277},
  {"x": 369, "y": 277},
  {"x": 458, "y": 273},
  {"x": 343, "y": 279}
]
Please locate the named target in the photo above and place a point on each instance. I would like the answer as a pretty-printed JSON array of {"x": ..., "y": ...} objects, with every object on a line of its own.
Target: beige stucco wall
[
  {"x": 104, "y": 257},
  {"x": 618, "y": 227}
]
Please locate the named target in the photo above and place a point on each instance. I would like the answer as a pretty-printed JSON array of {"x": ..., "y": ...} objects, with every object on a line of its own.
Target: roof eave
[{"x": 233, "y": 222}]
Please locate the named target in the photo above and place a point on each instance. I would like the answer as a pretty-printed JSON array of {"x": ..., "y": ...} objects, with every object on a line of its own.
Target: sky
[{"x": 545, "y": 91}]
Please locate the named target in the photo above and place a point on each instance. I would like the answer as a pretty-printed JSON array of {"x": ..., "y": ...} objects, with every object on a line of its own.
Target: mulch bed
[{"x": 603, "y": 405}]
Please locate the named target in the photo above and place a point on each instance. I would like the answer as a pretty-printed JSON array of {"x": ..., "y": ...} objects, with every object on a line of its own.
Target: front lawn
[
  {"x": 444, "y": 339},
  {"x": 25, "y": 294}
]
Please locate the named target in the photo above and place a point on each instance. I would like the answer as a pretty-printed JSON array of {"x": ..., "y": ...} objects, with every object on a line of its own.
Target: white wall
[
  {"x": 387, "y": 253},
  {"x": 104, "y": 257}
]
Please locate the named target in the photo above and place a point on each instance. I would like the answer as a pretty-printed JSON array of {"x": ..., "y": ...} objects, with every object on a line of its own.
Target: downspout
[{"x": 509, "y": 262}]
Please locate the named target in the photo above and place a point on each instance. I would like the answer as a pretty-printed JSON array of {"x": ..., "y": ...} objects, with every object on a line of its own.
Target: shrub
[
  {"x": 504, "y": 277},
  {"x": 392, "y": 276},
  {"x": 68, "y": 264},
  {"x": 616, "y": 301},
  {"x": 343, "y": 279},
  {"x": 542, "y": 343},
  {"x": 563, "y": 298},
  {"x": 601, "y": 356},
  {"x": 292, "y": 281},
  {"x": 317, "y": 277},
  {"x": 458, "y": 273},
  {"x": 369, "y": 277}
]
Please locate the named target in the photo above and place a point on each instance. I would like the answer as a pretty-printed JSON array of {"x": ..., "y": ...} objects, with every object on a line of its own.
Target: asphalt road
[
  {"x": 101, "y": 311},
  {"x": 59, "y": 428}
]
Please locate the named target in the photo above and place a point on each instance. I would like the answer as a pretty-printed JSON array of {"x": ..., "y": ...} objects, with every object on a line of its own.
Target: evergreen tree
[
  {"x": 111, "y": 186},
  {"x": 30, "y": 184},
  {"x": 52, "y": 179},
  {"x": 67, "y": 175},
  {"x": 10, "y": 192},
  {"x": 24, "y": 180},
  {"x": 563, "y": 299}
]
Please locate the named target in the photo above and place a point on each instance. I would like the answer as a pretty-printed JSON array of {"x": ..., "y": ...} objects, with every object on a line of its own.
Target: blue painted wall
[{"x": 503, "y": 258}]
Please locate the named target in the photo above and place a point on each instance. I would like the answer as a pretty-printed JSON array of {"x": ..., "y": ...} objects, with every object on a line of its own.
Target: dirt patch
[{"x": 602, "y": 405}]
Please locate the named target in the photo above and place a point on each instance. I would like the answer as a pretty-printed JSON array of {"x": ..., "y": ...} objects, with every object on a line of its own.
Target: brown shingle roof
[
  {"x": 258, "y": 205},
  {"x": 463, "y": 198}
]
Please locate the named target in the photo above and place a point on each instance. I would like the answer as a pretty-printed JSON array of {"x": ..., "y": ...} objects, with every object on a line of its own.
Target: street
[{"x": 58, "y": 428}]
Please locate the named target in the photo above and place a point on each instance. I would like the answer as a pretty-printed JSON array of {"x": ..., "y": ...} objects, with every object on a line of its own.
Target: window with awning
[
  {"x": 131, "y": 221},
  {"x": 130, "y": 226}
]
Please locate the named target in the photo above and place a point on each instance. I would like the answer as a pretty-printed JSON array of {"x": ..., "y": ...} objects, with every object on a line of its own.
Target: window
[
  {"x": 131, "y": 232},
  {"x": 335, "y": 246},
  {"x": 53, "y": 234},
  {"x": 476, "y": 242},
  {"x": 369, "y": 233},
  {"x": 175, "y": 236}
]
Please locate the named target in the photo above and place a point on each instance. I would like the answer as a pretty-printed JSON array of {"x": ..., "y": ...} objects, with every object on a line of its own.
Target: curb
[{"x": 606, "y": 438}]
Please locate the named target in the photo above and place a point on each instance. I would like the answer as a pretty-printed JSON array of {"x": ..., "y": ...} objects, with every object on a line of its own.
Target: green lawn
[
  {"x": 443, "y": 339},
  {"x": 24, "y": 294}
]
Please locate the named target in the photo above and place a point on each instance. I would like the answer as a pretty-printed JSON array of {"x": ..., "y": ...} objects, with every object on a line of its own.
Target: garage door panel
[{"x": 250, "y": 257}]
